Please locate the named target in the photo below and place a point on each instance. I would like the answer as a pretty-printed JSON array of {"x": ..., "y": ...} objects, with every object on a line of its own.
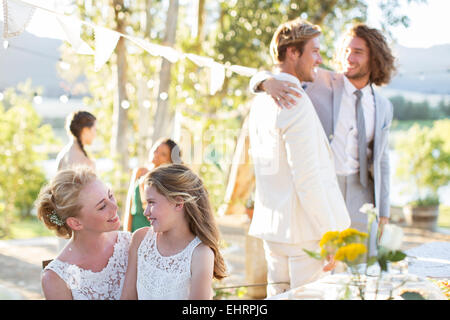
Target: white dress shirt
[{"x": 345, "y": 142}]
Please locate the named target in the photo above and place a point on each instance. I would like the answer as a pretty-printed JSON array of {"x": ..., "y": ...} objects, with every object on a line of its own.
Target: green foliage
[
  {"x": 430, "y": 200},
  {"x": 229, "y": 293},
  {"x": 411, "y": 295},
  {"x": 27, "y": 228},
  {"x": 409, "y": 110},
  {"x": 385, "y": 256},
  {"x": 23, "y": 142},
  {"x": 444, "y": 216},
  {"x": 424, "y": 158},
  {"x": 314, "y": 255}
]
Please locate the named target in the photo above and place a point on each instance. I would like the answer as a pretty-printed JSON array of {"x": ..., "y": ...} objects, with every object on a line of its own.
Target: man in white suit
[
  {"x": 364, "y": 60},
  {"x": 297, "y": 195}
]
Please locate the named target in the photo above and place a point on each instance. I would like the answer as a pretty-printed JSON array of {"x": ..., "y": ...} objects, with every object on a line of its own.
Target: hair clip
[{"x": 55, "y": 219}]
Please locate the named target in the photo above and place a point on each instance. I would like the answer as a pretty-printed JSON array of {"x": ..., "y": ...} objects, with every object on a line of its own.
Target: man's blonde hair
[{"x": 292, "y": 33}]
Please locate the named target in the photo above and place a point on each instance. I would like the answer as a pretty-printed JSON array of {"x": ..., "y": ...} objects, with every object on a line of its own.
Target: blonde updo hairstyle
[{"x": 60, "y": 198}]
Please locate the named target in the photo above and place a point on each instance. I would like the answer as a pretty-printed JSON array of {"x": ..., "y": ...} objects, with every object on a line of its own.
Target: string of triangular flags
[{"x": 19, "y": 16}]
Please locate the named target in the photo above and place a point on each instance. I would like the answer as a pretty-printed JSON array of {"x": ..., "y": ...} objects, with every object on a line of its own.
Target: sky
[{"x": 429, "y": 23}]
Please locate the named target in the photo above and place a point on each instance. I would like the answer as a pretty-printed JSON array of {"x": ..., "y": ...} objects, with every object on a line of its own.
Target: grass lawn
[
  {"x": 28, "y": 228},
  {"x": 444, "y": 216},
  {"x": 404, "y": 125}
]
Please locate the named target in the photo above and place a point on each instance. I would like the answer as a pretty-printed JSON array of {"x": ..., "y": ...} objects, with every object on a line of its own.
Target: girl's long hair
[{"x": 177, "y": 181}]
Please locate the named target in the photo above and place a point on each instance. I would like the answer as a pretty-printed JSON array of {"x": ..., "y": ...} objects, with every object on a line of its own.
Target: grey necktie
[{"x": 362, "y": 143}]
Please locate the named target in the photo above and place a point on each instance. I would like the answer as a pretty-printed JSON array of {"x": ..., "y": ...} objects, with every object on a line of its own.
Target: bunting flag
[
  {"x": 19, "y": 15},
  {"x": 44, "y": 24},
  {"x": 244, "y": 71},
  {"x": 105, "y": 43},
  {"x": 217, "y": 77},
  {"x": 217, "y": 71},
  {"x": 157, "y": 50},
  {"x": 16, "y": 17},
  {"x": 72, "y": 29}
]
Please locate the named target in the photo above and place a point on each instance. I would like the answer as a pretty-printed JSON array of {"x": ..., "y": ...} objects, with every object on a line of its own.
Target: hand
[
  {"x": 140, "y": 172},
  {"x": 330, "y": 265},
  {"x": 381, "y": 223},
  {"x": 281, "y": 91}
]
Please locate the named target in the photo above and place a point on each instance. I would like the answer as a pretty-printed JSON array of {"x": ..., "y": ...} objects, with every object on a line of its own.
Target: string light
[
  {"x": 125, "y": 104},
  {"x": 150, "y": 84},
  {"x": 37, "y": 99},
  {"x": 163, "y": 96},
  {"x": 64, "y": 65},
  {"x": 64, "y": 99}
]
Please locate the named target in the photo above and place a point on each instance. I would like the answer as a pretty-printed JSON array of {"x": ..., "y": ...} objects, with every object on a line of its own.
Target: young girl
[
  {"x": 165, "y": 151},
  {"x": 178, "y": 256},
  {"x": 92, "y": 266}
]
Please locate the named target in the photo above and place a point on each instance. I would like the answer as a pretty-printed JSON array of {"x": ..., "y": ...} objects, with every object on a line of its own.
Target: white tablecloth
[
  {"x": 430, "y": 260},
  {"x": 332, "y": 287}
]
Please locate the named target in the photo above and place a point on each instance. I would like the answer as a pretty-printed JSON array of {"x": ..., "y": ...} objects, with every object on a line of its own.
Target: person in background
[
  {"x": 81, "y": 127},
  {"x": 163, "y": 152}
]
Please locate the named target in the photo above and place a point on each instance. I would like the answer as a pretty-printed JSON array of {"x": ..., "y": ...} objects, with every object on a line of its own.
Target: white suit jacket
[{"x": 297, "y": 195}]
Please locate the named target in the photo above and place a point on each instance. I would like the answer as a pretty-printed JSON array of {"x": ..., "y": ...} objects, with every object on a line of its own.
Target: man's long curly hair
[{"x": 381, "y": 61}]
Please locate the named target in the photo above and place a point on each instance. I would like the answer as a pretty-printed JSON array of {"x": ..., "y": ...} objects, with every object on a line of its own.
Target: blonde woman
[
  {"x": 178, "y": 256},
  {"x": 92, "y": 266}
]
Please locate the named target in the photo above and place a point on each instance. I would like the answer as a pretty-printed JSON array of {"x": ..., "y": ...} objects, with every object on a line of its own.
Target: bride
[{"x": 92, "y": 266}]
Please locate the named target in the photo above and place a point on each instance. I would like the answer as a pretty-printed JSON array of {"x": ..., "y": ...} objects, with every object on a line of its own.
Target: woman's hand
[
  {"x": 330, "y": 265},
  {"x": 281, "y": 92},
  {"x": 141, "y": 171}
]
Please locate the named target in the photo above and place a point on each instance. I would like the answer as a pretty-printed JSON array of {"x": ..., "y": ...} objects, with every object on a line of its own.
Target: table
[{"x": 332, "y": 287}]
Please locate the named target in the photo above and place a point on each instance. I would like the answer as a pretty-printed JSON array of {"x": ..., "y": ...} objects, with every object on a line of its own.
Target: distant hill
[
  {"x": 31, "y": 57},
  {"x": 425, "y": 71}
]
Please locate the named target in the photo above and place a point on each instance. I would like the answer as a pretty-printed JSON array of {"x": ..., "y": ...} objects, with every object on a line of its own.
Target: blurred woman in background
[
  {"x": 81, "y": 127},
  {"x": 164, "y": 151}
]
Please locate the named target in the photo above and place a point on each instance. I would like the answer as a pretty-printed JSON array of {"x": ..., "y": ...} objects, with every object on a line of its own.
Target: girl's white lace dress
[
  {"x": 103, "y": 285},
  {"x": 163, "y": 278}
]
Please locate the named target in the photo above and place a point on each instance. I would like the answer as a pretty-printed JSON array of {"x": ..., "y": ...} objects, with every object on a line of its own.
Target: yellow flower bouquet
[
  {"x": 350, "y": 248},
  {"x": 347, "y": 246}
]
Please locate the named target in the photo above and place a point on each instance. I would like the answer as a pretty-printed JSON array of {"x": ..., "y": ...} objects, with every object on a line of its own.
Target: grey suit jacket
[{"x": 326, "y": 93}]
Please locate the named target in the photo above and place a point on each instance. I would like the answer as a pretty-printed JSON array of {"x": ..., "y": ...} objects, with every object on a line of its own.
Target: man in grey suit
[{"x": 356, "y": 120}]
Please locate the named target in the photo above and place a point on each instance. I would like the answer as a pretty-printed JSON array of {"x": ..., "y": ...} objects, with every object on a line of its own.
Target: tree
[
  {"x": 23, "y": 146},
  {"x": 162, "y": 120},
  {"x": 120, "y": 115},
  {"x": 424, "y": 158}
]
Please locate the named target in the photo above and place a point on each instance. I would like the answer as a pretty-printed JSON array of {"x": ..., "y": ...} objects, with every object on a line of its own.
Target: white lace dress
[
  {"x": 163, "y": 278},
  {"x": 103, "y": 285}
]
